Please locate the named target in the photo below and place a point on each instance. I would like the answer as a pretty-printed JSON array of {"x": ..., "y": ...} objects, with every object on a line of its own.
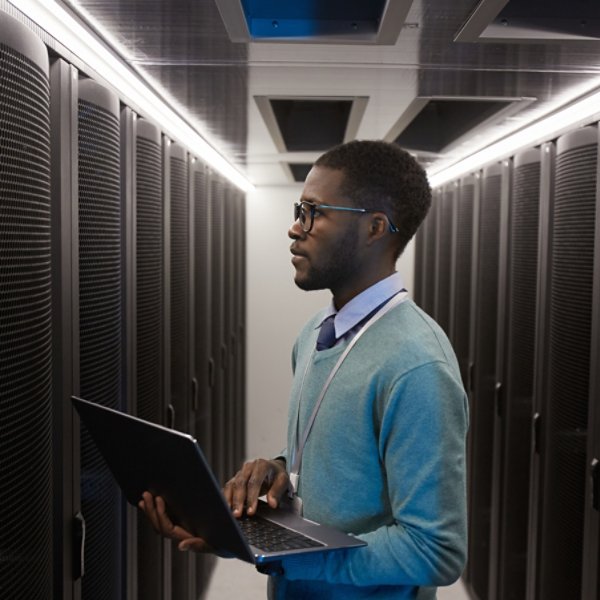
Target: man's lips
[{"x": 297, "y": 256}]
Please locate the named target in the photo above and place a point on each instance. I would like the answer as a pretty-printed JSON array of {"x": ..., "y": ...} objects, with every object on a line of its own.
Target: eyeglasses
[{"x": 305, "y": 213}]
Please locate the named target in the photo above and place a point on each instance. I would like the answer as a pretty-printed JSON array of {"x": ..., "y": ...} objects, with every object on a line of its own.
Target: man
[{"x": 376, "y": 443}]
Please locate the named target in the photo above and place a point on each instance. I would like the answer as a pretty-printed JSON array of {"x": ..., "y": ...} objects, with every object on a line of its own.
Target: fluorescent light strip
[
  {"x": 58, "y": 23},
  {"x": 578, "y": 113}
]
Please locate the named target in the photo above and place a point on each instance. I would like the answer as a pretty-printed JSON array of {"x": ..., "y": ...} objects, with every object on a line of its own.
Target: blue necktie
[{"x": 326, "y": 337}]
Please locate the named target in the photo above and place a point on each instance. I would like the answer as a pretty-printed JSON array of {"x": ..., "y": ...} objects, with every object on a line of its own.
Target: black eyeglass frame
[{"x": 300, "y": 214}]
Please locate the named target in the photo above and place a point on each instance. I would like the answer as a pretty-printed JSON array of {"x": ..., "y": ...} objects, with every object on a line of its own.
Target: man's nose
[{"x": 295, "y": 232}]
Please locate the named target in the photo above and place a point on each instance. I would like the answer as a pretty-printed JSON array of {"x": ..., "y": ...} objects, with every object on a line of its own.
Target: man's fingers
[{"x": 278, "y": 489}]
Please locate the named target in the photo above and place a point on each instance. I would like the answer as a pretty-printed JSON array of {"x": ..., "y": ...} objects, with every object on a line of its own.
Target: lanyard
[{"x": 295, "y": 470}]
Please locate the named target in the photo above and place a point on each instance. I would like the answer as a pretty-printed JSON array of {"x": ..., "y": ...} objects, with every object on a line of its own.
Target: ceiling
[{"x": 231, "y": 91}]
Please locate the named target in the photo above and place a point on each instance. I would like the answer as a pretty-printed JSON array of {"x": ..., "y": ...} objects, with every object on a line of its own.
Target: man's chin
[{"x": 307, "y": 285}]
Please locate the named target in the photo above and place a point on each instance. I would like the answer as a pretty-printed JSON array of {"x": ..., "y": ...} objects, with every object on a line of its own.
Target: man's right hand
[{"x": 255, "y": 478}]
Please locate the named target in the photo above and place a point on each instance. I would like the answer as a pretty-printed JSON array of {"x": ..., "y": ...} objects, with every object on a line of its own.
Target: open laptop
[{"x": 144, "y": 456}]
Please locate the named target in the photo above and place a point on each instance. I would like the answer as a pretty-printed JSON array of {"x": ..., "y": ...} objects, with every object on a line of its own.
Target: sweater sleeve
[{"x": 422, "y": 446}]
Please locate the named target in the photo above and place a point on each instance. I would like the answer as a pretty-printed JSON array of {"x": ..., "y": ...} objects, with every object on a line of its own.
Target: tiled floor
[{"x": 237, "y": 579}]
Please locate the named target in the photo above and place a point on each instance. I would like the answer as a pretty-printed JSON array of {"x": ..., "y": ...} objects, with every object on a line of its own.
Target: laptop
[{"x": 145, "y": 456}]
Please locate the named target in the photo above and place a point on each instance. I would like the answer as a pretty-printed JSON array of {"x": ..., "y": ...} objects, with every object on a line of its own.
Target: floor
[{"x": 237, "y": 579}]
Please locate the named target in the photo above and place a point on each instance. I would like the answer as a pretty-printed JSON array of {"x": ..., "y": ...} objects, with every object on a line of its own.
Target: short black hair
[{"x": 380, "y": 175}]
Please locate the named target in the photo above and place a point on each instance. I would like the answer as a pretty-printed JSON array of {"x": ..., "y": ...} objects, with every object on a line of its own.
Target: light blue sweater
[{"x": 385, "y": 460}]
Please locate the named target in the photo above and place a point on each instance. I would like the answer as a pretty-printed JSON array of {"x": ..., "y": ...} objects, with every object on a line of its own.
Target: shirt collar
[{"x": 365, "y": 303}]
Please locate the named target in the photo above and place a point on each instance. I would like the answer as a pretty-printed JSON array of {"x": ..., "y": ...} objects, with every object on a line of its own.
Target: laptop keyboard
[{"x": 270, "y": 537}]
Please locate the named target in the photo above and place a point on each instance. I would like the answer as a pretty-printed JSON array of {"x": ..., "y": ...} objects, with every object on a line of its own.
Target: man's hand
[
  {"x": 255, "y": 478},
  {"x": 155, "y": 510}
]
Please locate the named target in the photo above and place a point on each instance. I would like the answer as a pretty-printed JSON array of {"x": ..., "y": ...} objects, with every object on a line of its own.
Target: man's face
[{"x": 327, "y": 256}]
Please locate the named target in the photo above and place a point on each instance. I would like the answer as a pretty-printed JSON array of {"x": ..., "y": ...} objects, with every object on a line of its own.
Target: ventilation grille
[
  {"x": 100, "y": 300},
  {"x": 149, "y": 242},
  {"x": 462, "y": 277},
  {"x": 570, "y": 325},
  {"x": 485, "y": 380},
  {"x": 149, "y": 280},
  {"x": 217, "y": 198},
  {"x": 445, "y": 208},
  {"x": 519, "y": 385},
  {"x": 429, "y": 227},
  {"x": 25, "y": 326},
  {"x": 179, "y": 289},
  {"x": 201, "y": 307}
]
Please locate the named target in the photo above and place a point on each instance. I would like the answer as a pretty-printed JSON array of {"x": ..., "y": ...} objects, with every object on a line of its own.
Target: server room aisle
[{"x": 236, "y": 579}]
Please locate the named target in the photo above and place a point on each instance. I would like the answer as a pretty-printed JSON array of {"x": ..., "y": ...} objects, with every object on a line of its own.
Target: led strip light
[
  {"x": 578, "y": 113},
  {"x": 62, "y": 26}
]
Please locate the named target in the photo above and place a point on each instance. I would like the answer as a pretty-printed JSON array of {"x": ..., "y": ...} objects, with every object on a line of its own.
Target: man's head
[
  {"x": 382, "y": 176},
  {"x": 361, "y": 204}
]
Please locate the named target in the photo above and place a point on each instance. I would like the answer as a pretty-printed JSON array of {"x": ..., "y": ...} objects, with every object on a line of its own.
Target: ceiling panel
[{"x": 185, "y": 46}]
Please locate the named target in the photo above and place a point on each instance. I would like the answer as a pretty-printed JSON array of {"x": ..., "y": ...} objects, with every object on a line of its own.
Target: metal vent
[
  {"x": 335, "y": 21},
  {"x": 25, "y": 319},
  {"x": 311, "y": 124},
  {"x": 531, "y": 20},
  {"x": 300, "y": 171},
  {"x": 100, "y": 300},
  {"x": 435, "y": 124}
]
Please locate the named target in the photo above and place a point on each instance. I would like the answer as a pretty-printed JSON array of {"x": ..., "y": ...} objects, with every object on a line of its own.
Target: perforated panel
[
  {"x": 568, "y": 382},
  {"x": 179, "y": 290},
  {"x": 444, "y": 256},
  {"x": 180, "y": 323},
  {"x": 518, "y": 404},
  {"x": 217, "y": 328},
  {"x": 485, "y": 381},
  {"x": 100, "y": 300},
  {"x": 149, "y": 263},
  {"x": 462, "y": 277},
  {"x": 25, "y": 329},
  {"x": 429, "y": 228},
  {"x": 202, "y": 309},
  {"x": 149, "y": 279}
]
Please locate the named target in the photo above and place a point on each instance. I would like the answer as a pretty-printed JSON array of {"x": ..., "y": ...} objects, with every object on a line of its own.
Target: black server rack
[
  {"x": 179, "y": 406},
  {"x": 562, "y": 383},
  {"x": 202, "y": 308},
  {"x": 26, "y": 544},
  {"x": 239, "y": 327},
  {"x": 429, "y": 242},
  {"x": 229, "y": 337},
  {"x": 591, "y": 547},
  {"x": 514, "y": 388},
  {"x": 419, "y": 269},
  {"x": 483, "y": 379},
  {"x": 149, "y": 400},
  {"x": 443, "y": 261},
  {"x": 201, "y": 314},
  {"x": 101, "y": 328},
  {"x": 462, "y": 258},
  {"x": 218, "y": 347}
]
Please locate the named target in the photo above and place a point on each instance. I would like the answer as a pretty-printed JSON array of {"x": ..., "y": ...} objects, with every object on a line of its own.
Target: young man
[{"x": 376, "y": 444}]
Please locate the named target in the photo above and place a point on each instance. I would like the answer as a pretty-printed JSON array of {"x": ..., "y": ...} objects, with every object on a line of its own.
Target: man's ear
[{"x": 377, "y": 227}]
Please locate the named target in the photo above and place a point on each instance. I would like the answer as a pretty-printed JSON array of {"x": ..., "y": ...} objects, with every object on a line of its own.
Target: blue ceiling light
[{"x": 334, "y": 21}]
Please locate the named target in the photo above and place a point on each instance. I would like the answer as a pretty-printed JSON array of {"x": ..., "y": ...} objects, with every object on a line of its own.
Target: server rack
[
  {"x": 461, "y": 265},
  {"x": 149, "y": 276},
  {"x": 65, "y": 301},
  {"x": 562, "y": 372},
  {"x": 443, "y": 260},
  {"x": 429, "y": 256},
  {"x": 218, "y": 347},
  {"x": 591, "y": 547},
  {"x": 101, "y": 327},
  {"x": 515, "y": 368},
  {"x": 26, "y": 545},
  {"x": 483, "y": 358}
]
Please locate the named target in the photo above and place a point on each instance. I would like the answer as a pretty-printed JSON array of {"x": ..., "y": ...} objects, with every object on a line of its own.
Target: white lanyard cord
[{"x": 295, "y": 471}]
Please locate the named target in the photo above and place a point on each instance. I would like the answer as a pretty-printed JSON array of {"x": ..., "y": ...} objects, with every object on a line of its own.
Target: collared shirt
[{"x": 351, "y": 317}]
